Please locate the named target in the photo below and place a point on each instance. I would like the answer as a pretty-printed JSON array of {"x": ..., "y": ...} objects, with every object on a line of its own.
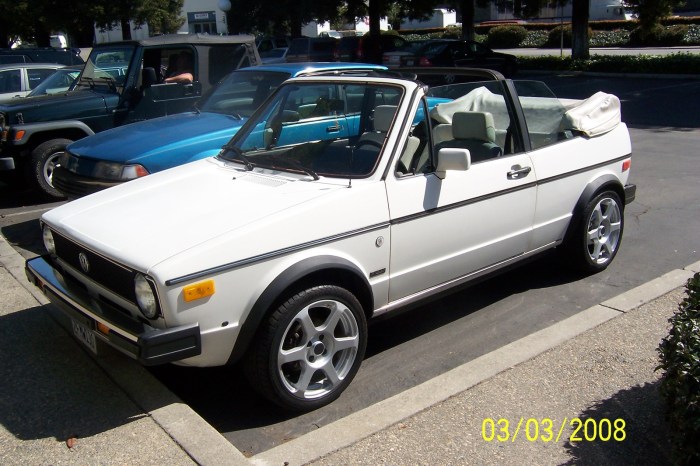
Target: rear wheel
[
  {"x": 44, "y": 158},
  {"x": 309, "y": 349},
  {"x": 597, "y": 239}
]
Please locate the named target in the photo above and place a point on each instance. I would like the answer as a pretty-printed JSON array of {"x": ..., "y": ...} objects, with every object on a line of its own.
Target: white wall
[
  {"x": 441, "y": 18},
  {"x": 190, "y": 6}
]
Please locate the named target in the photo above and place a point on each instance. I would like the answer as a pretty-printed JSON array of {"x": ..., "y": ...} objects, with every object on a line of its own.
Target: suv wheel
[
  {"x": 309, "y": 349},
  {"x": 44, "y": 158}
]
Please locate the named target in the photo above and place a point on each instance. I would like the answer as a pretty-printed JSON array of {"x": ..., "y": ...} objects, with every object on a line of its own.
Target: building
[{"x": 202, "y": 16}]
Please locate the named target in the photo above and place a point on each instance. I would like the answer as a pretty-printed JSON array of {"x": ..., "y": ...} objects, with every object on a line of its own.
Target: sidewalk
[{"x": 59, "y": 406}]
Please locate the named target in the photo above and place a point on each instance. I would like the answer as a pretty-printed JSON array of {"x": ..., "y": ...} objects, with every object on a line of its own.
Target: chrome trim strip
[
  {"x": 49, "y": 278},
  {"x": 392, "y": 306},
  {"x": 273, "y": 254}
]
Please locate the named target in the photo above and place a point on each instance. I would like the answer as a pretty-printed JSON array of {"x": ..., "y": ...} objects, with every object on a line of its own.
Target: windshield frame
[
  {"x": 88, "y": 76},
  {"x": 271, "y": 156}
]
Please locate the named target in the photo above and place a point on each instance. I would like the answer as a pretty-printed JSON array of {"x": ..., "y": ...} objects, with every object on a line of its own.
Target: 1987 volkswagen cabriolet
[{"x": 341, "y": 199}]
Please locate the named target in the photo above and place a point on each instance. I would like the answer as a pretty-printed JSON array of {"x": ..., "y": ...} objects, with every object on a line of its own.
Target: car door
[{"x": 469, "y": 222}]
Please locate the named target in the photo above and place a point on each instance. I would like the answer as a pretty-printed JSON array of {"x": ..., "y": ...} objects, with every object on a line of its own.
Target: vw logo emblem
[{"x": 84, "y": 262}]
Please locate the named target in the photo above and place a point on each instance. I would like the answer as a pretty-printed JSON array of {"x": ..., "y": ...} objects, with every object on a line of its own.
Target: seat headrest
[
  {"x": 473, "y": 125},
  {"x": 383, "y": 116}
]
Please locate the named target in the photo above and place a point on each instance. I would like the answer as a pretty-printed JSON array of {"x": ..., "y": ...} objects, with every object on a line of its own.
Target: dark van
[
  {"x": 41, "y": 55},
  {"x": 305, "y": 49}
]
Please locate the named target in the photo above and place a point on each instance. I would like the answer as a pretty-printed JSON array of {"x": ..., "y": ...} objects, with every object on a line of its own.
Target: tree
[
  {"x": 15, "y": 21},
  {"x": 165, "y": 14},
  {"x": 651, "y": 12},
  {"x": 579, "y": 29}
]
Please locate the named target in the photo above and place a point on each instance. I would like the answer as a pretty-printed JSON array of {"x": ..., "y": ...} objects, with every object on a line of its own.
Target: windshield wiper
[
  {"x": 239, "y": 155},
  {"x": 296, "y": 165}
]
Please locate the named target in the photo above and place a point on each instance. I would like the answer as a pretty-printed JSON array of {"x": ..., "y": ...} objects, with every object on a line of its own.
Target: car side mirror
[
  {"x": 452, "y": 159},
  {"x": 148, "y": 77}
]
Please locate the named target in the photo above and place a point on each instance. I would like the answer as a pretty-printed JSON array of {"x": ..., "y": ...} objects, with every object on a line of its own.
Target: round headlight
[
  {"x": 145, "y": 297},
  {"x": 48, "y": 240}
]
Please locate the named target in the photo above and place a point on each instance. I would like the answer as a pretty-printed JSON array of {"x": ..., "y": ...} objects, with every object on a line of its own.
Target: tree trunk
[
  {"x": 126, "y": 29},
  {"x": 374, "y": 11},
  {"x": 467, "y": 10},
  {"x": 579, "y": 29}
]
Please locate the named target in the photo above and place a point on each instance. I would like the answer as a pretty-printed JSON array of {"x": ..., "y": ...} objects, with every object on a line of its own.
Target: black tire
[
  {"x": 42, "y": 161},
  {"x": 321, "y": 361},
  {"x": 594, "y": 242}
]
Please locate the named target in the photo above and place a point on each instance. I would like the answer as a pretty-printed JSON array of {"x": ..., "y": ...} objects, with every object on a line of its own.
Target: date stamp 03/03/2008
[{"x": 548, "y": 430}]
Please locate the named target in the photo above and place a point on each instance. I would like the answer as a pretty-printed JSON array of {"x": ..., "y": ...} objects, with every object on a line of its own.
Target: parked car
[
  {"x": 449, "y": 53},
  {"x": 312, "y": 49},
  {"x": 19, "y": 79},
  {"x": 369, "y": 48},
  {"x": 63, "y": 56},
  {"x": 62, "y": 80},
  {"x": 392, "y": 59},
  {"x": 122, "y": 82},
  {"x": 267, "y": 43},
  {"x": 333, "y": 204},
  {"x": 274, "y": 56},
  {"x": 114, "y": 156}
]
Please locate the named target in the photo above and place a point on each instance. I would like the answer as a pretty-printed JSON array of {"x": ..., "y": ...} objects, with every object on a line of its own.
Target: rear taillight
[{"x": 424, "y": 62}]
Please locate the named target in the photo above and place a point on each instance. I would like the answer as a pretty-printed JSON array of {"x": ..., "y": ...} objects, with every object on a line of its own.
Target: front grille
[
  {"x": 73, "y": 185},
  {"x": 112, "y": 276}
]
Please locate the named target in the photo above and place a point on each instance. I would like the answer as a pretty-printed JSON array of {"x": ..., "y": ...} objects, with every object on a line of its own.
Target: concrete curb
[
  {"x": 372, "y": 419},
  {"x": 207, "y": 446}
]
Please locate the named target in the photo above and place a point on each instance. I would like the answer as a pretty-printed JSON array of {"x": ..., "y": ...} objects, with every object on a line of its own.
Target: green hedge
[
  {"x": 679, "y": 354},
  {"x": 613, "y": 33},
  {"x": 677, "y": 63}
]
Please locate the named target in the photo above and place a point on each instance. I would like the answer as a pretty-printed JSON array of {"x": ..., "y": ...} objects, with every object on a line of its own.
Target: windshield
[
  {"x": 62, "y": 80},
  {"x": 242, "y": 92},
  {"x": 106, "y": 66},
  {"x": 319, "y": 129}
]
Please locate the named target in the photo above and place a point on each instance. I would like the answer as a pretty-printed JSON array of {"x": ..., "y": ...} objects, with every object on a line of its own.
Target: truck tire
[{"x": 43, "y": 160}]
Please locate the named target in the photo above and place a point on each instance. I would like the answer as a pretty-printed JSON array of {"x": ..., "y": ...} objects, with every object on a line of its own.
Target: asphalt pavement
[{"x": 590, "y": 377}]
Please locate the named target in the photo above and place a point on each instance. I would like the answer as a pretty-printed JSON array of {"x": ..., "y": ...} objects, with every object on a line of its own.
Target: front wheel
[
  {"x": 596, "y": 242},
  {"x": 309, "y": 349},
  {"x": 44, "y": 158}
]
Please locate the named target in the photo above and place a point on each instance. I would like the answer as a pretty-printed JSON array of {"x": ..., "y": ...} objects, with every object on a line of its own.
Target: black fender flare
[
  {"x": 294, "y": 274},
  {"x": 31, "y": 129},
  {"x": 601, "y": 183}
]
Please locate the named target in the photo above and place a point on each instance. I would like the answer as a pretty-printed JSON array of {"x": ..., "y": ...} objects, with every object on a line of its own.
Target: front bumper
[
  {"x": 74, "y": 186},
  {"x": 146, "y": 344}
]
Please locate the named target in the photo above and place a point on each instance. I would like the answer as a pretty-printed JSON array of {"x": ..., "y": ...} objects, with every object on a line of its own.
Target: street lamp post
[{"x": 225, "y": 6}]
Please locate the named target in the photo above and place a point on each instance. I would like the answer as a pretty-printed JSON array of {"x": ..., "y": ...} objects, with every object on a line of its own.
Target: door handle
[
  {"x": 516, "y": 172},
  {"x": 334, "y": 129}
]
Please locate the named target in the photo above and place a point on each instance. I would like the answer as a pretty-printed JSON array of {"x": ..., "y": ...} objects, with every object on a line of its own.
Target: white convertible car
[{"x": 341, "y": 199}]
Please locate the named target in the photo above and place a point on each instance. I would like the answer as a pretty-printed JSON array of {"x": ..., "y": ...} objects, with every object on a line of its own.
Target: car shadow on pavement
[
  {"x": 644, "y": 438},
  {"x": 49, "y": 388},
  {"x": 252, "y": 424},
  {"x": 25, "y": 235}
]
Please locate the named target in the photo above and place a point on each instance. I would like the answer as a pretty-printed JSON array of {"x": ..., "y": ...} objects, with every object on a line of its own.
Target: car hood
[
  {"x": 210, "y": 213},
  {"x": 56, "y": 106},
  {"x": 162, "y": 142}
]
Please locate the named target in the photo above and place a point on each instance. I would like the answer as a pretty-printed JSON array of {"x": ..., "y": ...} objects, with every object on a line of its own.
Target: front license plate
[{"x": 85, "y": 336}]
